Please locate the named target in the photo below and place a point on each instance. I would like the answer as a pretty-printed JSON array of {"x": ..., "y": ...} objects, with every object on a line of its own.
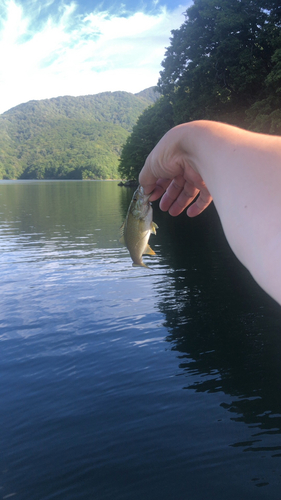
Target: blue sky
[{"x": 51, "y": 48}]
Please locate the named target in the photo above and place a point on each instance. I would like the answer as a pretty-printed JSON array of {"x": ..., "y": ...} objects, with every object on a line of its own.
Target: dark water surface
[{"x": 126, "y": 383}]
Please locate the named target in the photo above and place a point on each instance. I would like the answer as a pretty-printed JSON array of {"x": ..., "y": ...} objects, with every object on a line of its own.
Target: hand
[{"x": 168, "y": 172}]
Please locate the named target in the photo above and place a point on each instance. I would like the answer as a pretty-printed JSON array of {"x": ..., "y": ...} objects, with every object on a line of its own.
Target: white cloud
[{"x": 72, "y": 54}]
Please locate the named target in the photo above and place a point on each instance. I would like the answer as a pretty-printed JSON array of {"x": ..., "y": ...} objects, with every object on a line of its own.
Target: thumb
[{"x": 146, "y": 178}]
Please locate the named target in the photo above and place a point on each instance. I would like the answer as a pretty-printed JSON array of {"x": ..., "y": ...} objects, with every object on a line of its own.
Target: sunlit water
[{"x": 129, "y": 383}]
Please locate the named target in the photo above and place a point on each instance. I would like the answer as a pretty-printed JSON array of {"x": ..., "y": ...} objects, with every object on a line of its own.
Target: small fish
[{"x": 138, "y": 226}]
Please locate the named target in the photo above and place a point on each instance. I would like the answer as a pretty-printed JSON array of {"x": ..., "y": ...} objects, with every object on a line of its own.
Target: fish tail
[{"x": 141, "y": 265}]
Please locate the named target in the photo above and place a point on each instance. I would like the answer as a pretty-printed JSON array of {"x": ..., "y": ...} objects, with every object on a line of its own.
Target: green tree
[
  {"x": 219, "y": 59},
  {"x": 150, "y": 127},
  {"x": 265, "y": 114}
]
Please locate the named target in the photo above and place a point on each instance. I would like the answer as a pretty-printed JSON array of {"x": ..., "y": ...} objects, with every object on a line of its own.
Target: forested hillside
[
  {"x": 224, "y": 64},
  {"x": 69, "y": 137}
]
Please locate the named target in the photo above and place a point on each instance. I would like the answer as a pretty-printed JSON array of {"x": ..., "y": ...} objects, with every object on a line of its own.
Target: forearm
[{"x": 242, "y": 171}]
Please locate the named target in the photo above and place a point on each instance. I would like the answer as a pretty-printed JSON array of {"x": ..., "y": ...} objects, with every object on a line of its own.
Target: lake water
[{"x": 129, "y": 383}]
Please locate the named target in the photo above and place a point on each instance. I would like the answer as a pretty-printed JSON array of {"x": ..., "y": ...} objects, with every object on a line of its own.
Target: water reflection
[
  {"x": 61, "y": 220},
  {"x": 224, "y": 327}
]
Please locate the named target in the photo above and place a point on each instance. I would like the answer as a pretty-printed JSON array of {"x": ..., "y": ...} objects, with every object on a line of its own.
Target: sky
[{"x": 50, "y": 48}]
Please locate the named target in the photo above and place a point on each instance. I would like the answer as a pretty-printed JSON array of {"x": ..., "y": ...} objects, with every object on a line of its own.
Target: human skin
[{"x": 241, "y": 172}]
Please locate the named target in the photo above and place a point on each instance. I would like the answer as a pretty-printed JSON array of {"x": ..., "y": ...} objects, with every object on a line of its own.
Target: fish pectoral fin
[
  {"x": 149, "y": 251},
  {"x": 122, "y": 240},
  {"x": 153, "y": 227}
]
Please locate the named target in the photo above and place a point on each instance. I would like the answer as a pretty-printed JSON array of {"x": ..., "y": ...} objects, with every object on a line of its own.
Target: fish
[{"x": 138, "y": 226}]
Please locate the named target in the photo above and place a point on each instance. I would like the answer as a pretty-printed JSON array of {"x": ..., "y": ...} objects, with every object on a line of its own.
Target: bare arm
[{"x": 241, "y": 171}]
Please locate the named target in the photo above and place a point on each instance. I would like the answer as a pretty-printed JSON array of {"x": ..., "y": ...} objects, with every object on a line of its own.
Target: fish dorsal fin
[{"x": 149, "y": 251}]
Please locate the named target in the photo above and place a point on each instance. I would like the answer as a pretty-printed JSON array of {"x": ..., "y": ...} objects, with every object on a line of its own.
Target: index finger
[{"x": 160, "y": 188}]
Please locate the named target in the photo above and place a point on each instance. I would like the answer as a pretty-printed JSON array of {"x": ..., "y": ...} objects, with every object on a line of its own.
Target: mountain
[{"x": 69, "y": 137}]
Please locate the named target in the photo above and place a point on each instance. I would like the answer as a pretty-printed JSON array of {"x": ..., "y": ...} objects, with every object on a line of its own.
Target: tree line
[
  {"x": 223, "y": 64},
  {"x": 69, "y": 137}
]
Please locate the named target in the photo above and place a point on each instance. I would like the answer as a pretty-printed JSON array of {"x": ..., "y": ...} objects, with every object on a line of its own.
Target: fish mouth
[{"x": 142, "y": 194}]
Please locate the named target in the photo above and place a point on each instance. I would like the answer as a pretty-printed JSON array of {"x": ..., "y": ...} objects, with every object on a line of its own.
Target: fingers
[
  {"x": 178, "y": 193},
  {"x": 178, "y": 196},
  {"x": 202, "y": 202},
  {"x": 172, "y": 192},
  {"x": 160, "y": 188}
]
